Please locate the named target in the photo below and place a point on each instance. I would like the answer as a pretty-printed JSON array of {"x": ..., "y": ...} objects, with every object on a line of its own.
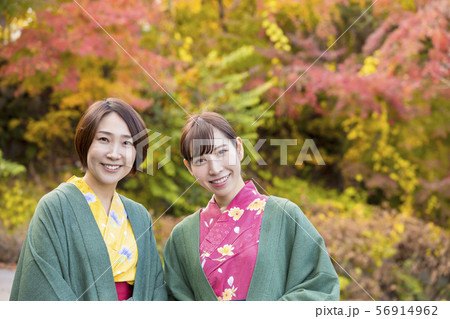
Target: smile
[
  {"x": 111, "y": 167},
  {"x": 219, "y": 181}
]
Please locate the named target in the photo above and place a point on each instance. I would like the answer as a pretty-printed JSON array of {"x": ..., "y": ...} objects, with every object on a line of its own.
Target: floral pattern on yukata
[
  {"x": 229, "y": 243},
  {"x": 116, "y": 232},
  {"x": 235, "y": 213},
  {"x": 226, "y": 250},
  {"x": 228, "y": 294},
  {"x": 258, "y": 205}
]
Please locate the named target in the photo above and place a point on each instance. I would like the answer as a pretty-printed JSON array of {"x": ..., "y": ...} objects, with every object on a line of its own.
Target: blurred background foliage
[{"x": 374, "y": 98}]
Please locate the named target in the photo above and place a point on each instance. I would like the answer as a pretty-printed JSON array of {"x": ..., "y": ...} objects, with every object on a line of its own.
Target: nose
[
  {"x": 215, "y": 166},
  {"x": 114, "y": 152}
]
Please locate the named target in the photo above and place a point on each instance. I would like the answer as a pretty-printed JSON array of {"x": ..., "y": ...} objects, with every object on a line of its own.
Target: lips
[
  {"x": 111, "y": 168},
  {"x": 220, "y": 180}
]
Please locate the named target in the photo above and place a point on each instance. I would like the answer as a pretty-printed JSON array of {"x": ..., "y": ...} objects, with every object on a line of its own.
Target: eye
[
  {"x": 198, "y": 161},
  {"x": 128, "y": 143},
  {"x": 222, "y": 152},
  {"x": 103, "y": 139}
]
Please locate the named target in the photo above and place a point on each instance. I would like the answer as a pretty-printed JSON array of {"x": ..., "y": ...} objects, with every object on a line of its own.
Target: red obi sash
[{"x": 124, "y": 290}]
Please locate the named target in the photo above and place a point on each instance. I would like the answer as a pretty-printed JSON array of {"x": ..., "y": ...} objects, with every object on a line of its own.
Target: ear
[
  {"x": 188, "y": 166},
  {"x": 240, "y": 148}
]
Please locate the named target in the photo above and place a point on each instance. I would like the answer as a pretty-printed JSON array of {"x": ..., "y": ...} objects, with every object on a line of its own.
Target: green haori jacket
[
  {"x": 292, "y": 261},
  {"x": 64, "y": 256}
]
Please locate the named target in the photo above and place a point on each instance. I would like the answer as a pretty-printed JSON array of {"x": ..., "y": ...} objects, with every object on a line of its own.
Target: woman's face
[
  {"x": 220, "y": 171},
  {"x": 111, "y": 154}
]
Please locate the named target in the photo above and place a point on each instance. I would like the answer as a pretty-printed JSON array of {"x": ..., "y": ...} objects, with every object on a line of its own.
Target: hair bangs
[
  {"x": 200, "y": 139},
  {"x": 197, "y": 135}
]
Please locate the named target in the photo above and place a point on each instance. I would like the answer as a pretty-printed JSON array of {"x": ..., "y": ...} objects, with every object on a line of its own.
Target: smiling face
[
  {"x": 111, "y": 154},
  {"x": 220, "y": 171}
]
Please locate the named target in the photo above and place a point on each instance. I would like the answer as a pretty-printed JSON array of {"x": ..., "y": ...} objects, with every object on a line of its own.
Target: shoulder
[
  {"x": 285, "y": 212},
  {"x": 187, "y": 225},
  {"x": 291, "y": 218},
  {"x": 183, "y": 236},
  {"x": 132, "y": 206},
  {"x": 55, "y": 206},
  {"x": 57, "y": 198},
  {"x": 275, "y": 203},
  {"x": 131, "y": 203}
]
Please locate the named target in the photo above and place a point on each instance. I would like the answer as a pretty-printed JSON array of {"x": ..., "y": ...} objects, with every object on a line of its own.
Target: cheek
[
  {"x": 96, "y": 150},
  {"x": 133, "y": 153},
  {"x": 198, "y": 173},
  {"x": 91, "y": 154},
  {"x": 233, "y": 160},
  {"x": 130, "y": 155},
  {"x": 235, "y": 163}
]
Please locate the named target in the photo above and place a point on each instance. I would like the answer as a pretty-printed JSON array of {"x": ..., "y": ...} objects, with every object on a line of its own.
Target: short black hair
[{"x": 87, "y": 127}]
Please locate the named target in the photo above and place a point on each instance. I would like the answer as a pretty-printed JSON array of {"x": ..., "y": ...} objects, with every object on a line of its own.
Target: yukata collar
[
  {"x": 249, "y": 187},
  {"x": 84, "y": 186}
]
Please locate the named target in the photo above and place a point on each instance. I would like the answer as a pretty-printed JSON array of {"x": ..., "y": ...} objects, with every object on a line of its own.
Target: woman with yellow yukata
[
  {"x": 85, "y": 241},
  {"x": 243, "y": 245}
]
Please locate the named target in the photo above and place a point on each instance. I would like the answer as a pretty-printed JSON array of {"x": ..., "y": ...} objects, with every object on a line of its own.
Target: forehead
[
  {"x": 216, "y": 139},
  {"x": 220, "y": 138},
  {"x": 113, "y": 123}
]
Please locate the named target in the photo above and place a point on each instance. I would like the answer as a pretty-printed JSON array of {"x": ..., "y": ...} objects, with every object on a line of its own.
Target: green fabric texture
[
  {"x": 64, "y": 256},
  {"x": 292, "y": 261}
]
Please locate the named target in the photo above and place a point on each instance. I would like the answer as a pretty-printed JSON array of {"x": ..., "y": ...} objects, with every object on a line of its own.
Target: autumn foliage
[{"x": 368, "y": 82}]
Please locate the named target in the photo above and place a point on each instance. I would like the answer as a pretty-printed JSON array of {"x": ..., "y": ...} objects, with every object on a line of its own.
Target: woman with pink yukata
[{"x": 243, "y": 245}]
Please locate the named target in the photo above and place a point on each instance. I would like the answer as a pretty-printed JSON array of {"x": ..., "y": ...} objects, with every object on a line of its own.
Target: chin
[{"x": 110, "y": 180}]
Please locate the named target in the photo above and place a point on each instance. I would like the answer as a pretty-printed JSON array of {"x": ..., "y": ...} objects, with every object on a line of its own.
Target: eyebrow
[
  {"x": 215, "y": 148},
  {"x": 109, "y": 133}
]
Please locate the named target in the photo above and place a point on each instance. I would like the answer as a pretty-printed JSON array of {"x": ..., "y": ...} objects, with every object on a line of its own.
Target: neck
[
  {"x": 224, "y": 201},
  {"x": 104, "y": 193}
]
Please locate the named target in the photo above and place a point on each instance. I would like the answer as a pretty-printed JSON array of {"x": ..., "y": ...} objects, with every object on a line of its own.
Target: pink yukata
[{"x": 229, "y": 242}]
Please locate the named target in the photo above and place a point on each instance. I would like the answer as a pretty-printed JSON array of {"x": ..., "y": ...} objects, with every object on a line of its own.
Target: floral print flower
[
  {"x": 226, "y": 250},
  {"x": 228, "y": 294},
  {"x": 115, "y": 217},
  {"x": 90, "y": 197},
  {"x": 236, "y": 213},
  {"x": 257, "y": 204},
  {"x": 205, "y": 254},
  {"x": 125, "y": 252}
]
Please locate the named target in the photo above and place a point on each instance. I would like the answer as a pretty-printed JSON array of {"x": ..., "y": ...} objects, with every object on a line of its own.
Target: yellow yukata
[{"x": 116, "y": 232}]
